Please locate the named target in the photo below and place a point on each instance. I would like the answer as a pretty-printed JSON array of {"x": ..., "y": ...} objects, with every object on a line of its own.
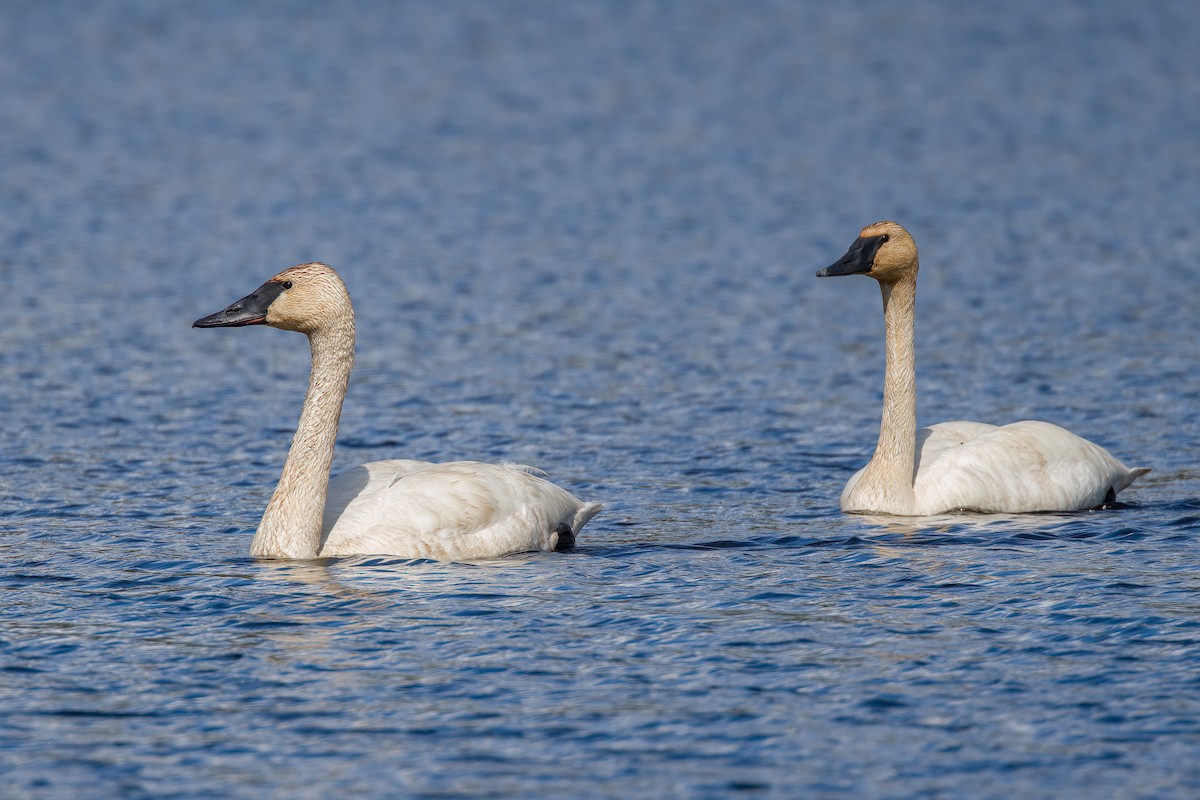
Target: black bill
[
  {"x": 859, "y": 259},
  {"x": 250, "y": 310}
]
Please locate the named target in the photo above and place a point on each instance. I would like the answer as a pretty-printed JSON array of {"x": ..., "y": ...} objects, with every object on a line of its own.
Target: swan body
[
  {"x": 457, "y": 511},
  {"x": 1022, "y": 467},
  {"x": 1016, "y": 468}
]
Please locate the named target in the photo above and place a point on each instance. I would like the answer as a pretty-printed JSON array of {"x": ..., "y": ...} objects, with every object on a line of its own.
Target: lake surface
[{"x": 583, "y": 236}]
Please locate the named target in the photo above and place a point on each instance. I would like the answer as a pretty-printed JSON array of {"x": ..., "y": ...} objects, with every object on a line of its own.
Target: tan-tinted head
[
  {"x": 883, "y": 251},
  {"x": 315, "y": 298},
  {"x": 305, "y": 298}
]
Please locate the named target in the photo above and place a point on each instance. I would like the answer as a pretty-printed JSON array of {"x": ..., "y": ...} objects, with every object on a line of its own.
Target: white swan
[
  {"x": 458, "y": 511},
  {"x": 958, "y": 466}
]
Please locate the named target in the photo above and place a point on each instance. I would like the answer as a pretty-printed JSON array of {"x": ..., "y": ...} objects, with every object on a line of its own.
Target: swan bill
[
  {"x": 250, "y": 310},
  {"x": 859, "y": 259}
]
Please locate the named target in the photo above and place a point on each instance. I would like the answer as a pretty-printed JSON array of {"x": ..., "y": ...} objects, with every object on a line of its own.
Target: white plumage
[
  {"x": 457, "y": 511},
  {"x": 970, "y": 466},
  {"x": 1021, "y": 467}
]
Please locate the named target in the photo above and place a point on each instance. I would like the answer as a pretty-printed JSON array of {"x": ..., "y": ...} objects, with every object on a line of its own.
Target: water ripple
[{"x": 582, "y": 236}]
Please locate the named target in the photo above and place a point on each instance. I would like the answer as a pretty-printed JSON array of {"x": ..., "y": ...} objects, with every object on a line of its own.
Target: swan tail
[
  {"x": 584, "y": 515},
  {"x": 566, "y": 533},
  {"x": 1130, "y": 476},
  {"x": 539, "y": 473},
  {"x": 1134, "y": 474}
]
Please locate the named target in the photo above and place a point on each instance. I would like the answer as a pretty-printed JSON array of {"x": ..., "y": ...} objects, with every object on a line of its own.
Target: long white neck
[
  {"x": 291, "y": 525},
  {"x": 891, "y": 468}
]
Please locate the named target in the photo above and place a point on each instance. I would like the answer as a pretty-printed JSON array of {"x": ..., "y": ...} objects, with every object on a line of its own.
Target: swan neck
[
  {"x": 291, "y": 527},
  {"x": 895, "y": 454}
]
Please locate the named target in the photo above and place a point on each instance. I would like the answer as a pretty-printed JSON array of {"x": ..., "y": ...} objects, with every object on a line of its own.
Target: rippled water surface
[{"x": 583, "y": 236}]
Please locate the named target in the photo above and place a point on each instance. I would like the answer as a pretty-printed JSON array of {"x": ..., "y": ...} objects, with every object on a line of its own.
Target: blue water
[{"x": 583, "y": 236}]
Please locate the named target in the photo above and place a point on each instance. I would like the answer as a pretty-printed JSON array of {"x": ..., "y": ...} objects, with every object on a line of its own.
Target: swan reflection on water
[{"x": 380, "y": 576}]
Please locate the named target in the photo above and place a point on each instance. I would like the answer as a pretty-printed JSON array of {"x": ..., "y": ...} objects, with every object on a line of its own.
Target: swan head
[
  {"x": 306, "y": 298},
  {"x": 883, "y": 251}
]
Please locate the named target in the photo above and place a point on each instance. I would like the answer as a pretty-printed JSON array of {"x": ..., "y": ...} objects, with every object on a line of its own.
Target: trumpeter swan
[
  {"x": 457, "y": 511},
  {"x": 958, "y": 466}
]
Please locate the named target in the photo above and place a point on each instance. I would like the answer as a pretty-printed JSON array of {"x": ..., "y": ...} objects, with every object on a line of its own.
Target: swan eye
[{"x": 288, "y": 284}]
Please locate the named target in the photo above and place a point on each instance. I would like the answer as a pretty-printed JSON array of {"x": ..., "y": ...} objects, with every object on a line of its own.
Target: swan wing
[
  {"x": 457, "y": 511},
  {"x": 365, "y": 480},
  {"x": 1022, "y": 467},
  {"x": 936, "y": 440}
]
